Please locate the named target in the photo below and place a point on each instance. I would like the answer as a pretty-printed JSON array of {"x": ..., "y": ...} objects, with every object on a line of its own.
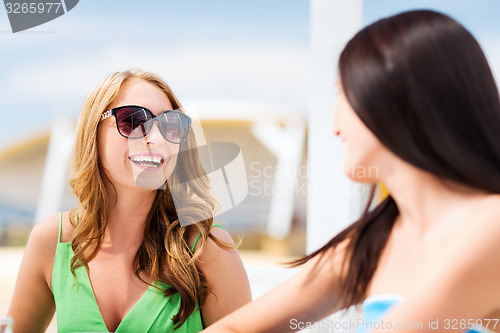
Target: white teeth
[{"x": 146, "y": 160}]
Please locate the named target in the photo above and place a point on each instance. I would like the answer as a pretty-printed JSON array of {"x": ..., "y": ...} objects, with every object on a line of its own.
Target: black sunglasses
[{"x": 135, "y": 122}]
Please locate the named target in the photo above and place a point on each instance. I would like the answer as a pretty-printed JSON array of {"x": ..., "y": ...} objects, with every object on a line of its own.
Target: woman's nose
[
  {"x": 335, "y": 128},
  {"x": 154, "y": 135}
]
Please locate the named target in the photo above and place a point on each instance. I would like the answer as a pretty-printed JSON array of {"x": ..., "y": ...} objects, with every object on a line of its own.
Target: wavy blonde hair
[{"x": 164, "y": 255}]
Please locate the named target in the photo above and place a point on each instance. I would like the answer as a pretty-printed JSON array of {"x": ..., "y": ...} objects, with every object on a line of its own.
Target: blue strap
[{"x": 198, "y": 237}]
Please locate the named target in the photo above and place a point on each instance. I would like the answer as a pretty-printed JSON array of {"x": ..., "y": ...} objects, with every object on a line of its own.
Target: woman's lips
[{"x": 148, "y": 161}]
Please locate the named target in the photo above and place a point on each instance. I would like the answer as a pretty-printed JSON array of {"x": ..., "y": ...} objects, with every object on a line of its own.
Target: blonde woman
[{"x": 122, "y": 261}]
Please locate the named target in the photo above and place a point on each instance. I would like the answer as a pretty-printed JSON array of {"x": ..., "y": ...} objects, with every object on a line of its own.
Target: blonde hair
[{"x": 164, "y": 254}]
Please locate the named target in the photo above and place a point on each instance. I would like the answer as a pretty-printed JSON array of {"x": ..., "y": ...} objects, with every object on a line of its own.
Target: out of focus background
[{"x": 257, "y": 73}]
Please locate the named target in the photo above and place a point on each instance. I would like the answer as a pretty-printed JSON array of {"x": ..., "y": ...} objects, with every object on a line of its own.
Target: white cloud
[{"x": 259, "y": 72}]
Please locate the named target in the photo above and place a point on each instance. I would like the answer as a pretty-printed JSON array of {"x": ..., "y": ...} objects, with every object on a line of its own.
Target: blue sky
[
  {"x": 479, "y": 16},
  {"x": 204, "y": 49},
  {"x": 245, "y": 49}
]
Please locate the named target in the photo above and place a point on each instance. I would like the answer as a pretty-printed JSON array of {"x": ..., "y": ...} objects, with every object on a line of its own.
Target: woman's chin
[
  {"x": 361, "y": 174},
  {"x": 150, "y": 180}
]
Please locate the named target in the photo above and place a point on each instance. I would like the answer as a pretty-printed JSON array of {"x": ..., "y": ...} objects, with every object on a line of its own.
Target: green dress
[{"x": 77, "y": 309}]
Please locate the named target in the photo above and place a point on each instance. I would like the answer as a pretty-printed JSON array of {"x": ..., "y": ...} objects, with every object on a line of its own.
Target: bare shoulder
[
  {"x": 48, "y": 229},
  {"x": 485, "y": 221},
  {"x": 211, "y": 249},
  {"x": 225, "y": 276},
  {"x": 467, "y": 266},
  {"x": 222, "y": 235},
  {"x": 479, "y": 237},
  {"x": 491, "y": 205},
  {"x": 41, "y": 248},
  {"x": 474, "y": 254},
  {"x": 44, "y": 235}
]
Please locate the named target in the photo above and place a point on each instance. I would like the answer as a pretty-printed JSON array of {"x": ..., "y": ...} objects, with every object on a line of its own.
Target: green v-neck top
[{"x": 77, "y": 309}]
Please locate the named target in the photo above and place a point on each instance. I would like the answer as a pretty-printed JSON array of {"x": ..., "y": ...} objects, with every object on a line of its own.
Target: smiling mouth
[{"x": 147, "y": 161}]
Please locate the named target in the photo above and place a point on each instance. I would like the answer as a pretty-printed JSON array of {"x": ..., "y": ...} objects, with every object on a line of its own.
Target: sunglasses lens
[
  {"x": 174, "y": 126},
  {"x": 133, "y": 122}
]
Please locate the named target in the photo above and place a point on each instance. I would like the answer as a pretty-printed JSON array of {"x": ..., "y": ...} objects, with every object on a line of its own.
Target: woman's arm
[
  {"x": 32, "y": 305},
  {"x": 226, "y": 277},
  {"x": 308, "y": 296}
]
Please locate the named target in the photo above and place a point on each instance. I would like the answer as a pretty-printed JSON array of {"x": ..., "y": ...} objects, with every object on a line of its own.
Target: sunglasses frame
[{"x": 113, "y": 112}]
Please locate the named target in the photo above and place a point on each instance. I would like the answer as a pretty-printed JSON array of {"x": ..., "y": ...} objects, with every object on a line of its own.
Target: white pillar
[
  {"x": 332, "y": 202},
  {"x": 285, "y": 141},
  {"x": 56, "y": 168}
]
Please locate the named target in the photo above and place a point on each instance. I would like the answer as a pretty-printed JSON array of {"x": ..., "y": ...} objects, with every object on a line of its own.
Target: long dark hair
[{"x": 420, "y": 82}]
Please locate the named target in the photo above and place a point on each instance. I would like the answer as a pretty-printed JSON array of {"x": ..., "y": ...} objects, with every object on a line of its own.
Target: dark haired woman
[{"x": 419, "y": 105}]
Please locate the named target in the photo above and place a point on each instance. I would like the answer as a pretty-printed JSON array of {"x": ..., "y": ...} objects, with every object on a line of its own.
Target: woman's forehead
[{"x": 143, "y": 93}]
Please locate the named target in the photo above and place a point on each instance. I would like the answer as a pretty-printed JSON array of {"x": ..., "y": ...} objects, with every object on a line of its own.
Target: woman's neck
[
  {"x": 127, "y": 213},
  {"x": 423, "y": 199}
]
